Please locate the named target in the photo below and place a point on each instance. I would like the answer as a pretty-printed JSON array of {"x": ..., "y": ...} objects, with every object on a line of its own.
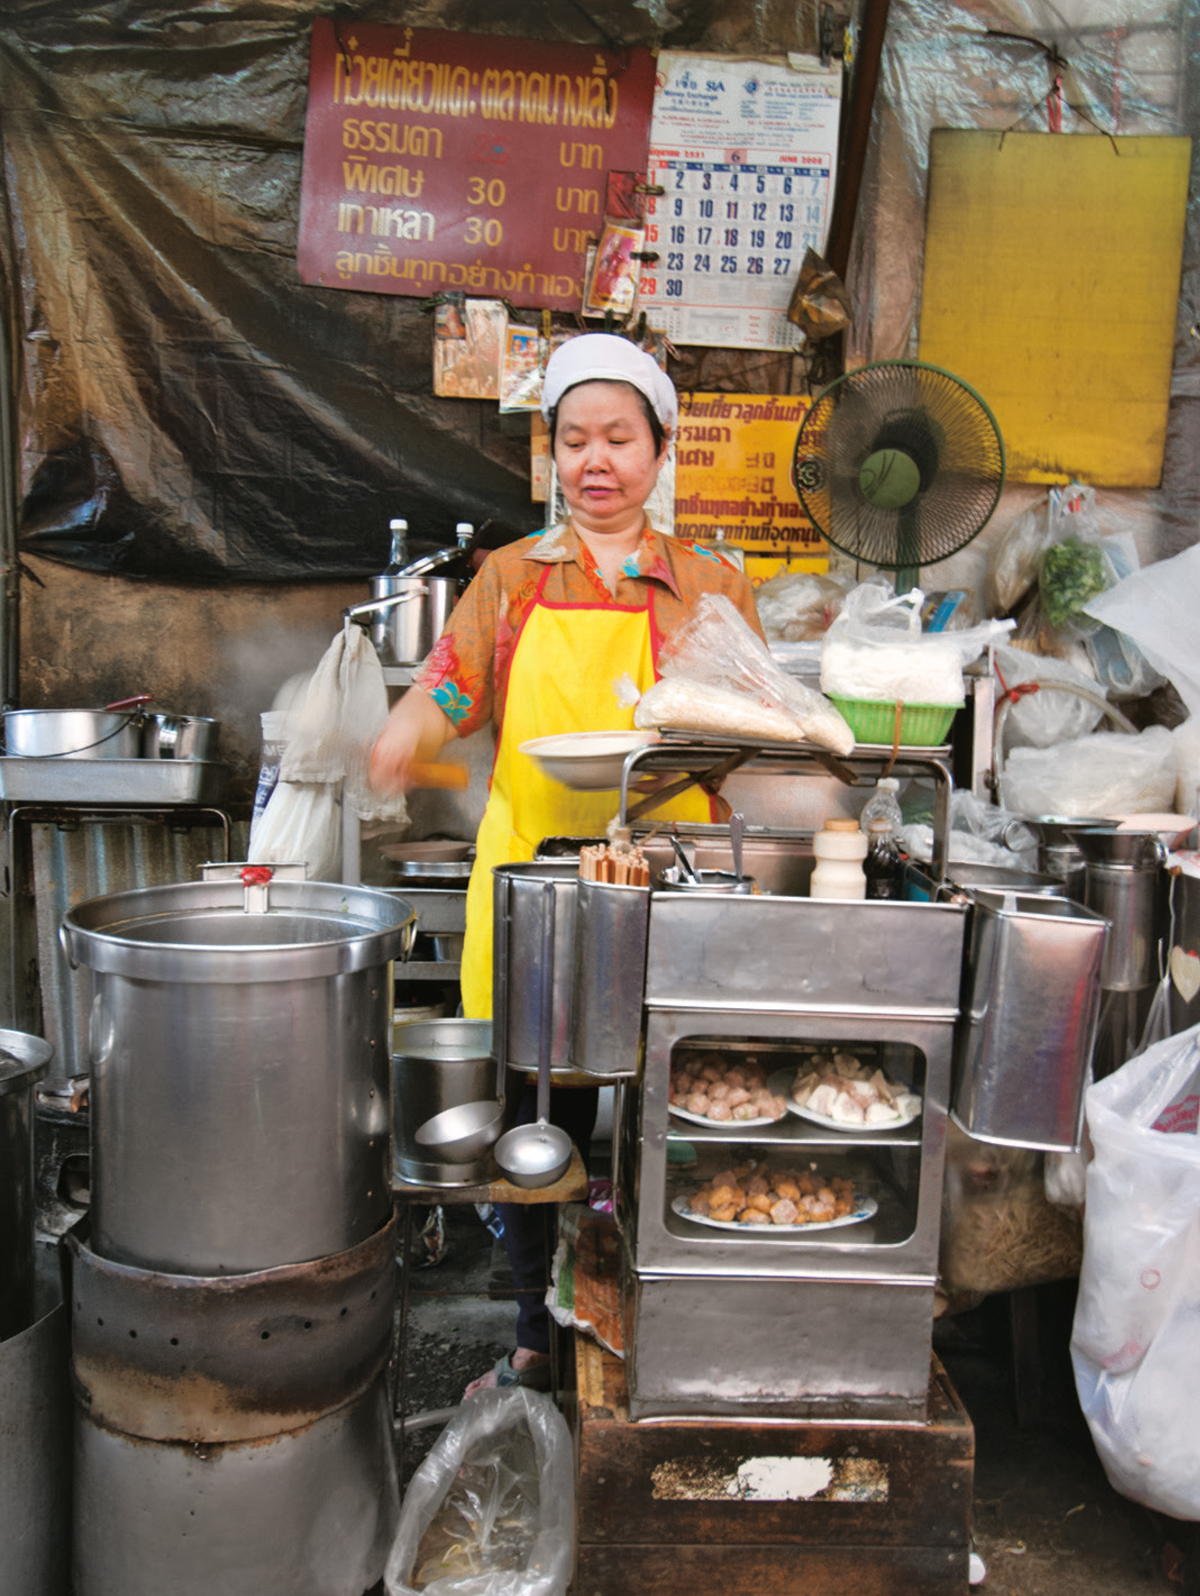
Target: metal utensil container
[
  {"x": 1030, "y": 1007},
  {"x": 1122, "y": 881},
  {"x": 239, "y": 1042},
  {"x": 518, "y": 910},
  {"x": 404, "y": 634},
  {"x": 612, "y": 923},
  {"x": 439, "y": 1065}
]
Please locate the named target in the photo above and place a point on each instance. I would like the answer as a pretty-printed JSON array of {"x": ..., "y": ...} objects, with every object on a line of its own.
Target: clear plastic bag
[
  {"x": 799, "y": 606},
  {"x": 1134, "y": 1339},
  {"x": 491, "y": 1510},
  {"x": 876, "y": 650},
  {"x": 715, "y": 649},
  {"x": 1042, "y": 719},
  {"x": 1108, "y": 773},
  {"x": 1012, "y": 559},
  {"x": 1156, "y": 609}
]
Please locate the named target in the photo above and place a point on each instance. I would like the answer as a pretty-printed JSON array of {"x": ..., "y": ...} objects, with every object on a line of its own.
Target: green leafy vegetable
[{"x": 1072, "y": 573}]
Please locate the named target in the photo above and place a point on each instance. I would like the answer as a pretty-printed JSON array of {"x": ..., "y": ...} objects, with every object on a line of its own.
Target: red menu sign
[{"x": 436, "y": 161}]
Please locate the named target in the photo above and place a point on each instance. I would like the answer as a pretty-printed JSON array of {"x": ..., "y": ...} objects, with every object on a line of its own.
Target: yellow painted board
[{"x": 1051, "y": 285}]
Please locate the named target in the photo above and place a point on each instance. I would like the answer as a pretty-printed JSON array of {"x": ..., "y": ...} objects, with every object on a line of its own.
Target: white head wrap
[{"x": 603, "y": 357}]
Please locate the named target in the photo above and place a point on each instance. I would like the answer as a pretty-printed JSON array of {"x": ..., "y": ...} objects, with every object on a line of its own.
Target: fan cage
[{"x": 947, "y": 427}]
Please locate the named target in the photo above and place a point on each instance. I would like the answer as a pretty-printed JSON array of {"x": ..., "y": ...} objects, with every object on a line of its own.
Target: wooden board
[
  {"x": 718, "y": 1506},
  {"x": 569, "y": 1188},
  {"x": 1051, "y": 286}
]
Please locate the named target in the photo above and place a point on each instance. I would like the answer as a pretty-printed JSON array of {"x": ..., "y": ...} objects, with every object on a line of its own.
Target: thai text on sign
[
  {"x": 733, "y": 461},
  {"x": 437, "y": 160}
]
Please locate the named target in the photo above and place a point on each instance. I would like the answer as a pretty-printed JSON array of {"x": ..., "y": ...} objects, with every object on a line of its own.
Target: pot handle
[
  {"x": 138, "y": 701},
  {"x": 64, "y": 942}
]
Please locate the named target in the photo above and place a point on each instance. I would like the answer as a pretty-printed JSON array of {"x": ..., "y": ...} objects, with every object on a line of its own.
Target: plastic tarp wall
[
  {"x": 185, "y": 409},
  {"x": 1131, "y": 69}
]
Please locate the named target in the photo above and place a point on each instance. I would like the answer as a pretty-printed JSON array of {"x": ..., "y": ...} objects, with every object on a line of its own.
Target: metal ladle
[
  {"x": 539, "y": 1154},
  {"x": 737, "y": 827}
]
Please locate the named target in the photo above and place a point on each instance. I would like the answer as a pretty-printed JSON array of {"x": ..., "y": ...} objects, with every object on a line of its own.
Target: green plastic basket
[{"x": 874, "y": 721}]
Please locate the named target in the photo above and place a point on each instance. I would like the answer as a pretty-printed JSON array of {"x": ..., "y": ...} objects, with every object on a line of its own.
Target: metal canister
[
  {"x": 404, "y": 634},
  {"x": 239, "y": 1042},
  {"x": 518, "y": 911}
]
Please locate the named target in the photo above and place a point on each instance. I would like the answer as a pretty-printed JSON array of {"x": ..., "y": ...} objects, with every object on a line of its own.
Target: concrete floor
[{"x": 1046, "y": 1521}]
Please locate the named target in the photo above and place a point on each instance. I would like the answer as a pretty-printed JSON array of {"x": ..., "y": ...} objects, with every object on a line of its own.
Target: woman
[{"x": 535, "y": 645}]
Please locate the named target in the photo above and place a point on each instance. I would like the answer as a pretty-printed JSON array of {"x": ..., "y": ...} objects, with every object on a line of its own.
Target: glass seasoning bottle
[
  {"x": 883, "y": 866},
  {"x": 398, "y": 558}
]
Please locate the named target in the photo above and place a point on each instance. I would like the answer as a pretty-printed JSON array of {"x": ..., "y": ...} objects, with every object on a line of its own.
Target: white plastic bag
[
  {"x": 301, "y": 824},
  {"x": 1137, "y": 1318},
  {"x": 876, "y": 650},
  {"x": 496, "y": 1495},
  {"x": 1157, "y": 607},
  {"x": 1108, "y": 773}
]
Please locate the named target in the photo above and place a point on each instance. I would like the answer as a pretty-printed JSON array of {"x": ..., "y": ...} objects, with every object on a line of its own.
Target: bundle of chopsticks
[{"x": 623, "y": 865}]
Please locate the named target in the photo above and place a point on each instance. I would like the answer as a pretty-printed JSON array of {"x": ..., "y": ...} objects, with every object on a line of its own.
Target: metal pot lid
[
  {"x": 24, "y": 1060},
  {"x": 202, "y": 931}
]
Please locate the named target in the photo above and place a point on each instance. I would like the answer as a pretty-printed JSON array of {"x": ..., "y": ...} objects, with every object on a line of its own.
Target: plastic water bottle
[{"x": 883, "y": 804}]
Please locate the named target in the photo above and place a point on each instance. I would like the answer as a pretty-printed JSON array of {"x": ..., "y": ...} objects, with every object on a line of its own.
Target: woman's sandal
[{"x": 535, "y": 1378}]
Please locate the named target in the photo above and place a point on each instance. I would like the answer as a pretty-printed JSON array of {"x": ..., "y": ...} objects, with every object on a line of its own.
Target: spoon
[
  {"x": 539, "y": 1154},
  {"x": 737, "y": 826},
  {"x": 685, "y": 864}
]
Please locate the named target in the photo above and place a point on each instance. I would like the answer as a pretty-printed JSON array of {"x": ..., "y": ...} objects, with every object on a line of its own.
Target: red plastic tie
[{"x": 256, "y": 875}]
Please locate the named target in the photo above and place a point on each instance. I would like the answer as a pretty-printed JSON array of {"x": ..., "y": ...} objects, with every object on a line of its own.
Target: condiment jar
[{"x": 840, "y": 848}]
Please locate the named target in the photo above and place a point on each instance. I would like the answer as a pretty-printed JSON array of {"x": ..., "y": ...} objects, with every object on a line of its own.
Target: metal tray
[{"x": 132, "y": 783}]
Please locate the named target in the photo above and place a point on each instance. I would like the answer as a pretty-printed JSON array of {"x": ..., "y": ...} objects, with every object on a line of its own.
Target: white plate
[
  {"x": 586, "y": 761},
  {"x": 725, "y": 1124},
  {"x": 780, "y": 1082},
  {"x": 866, "y": 1208}
]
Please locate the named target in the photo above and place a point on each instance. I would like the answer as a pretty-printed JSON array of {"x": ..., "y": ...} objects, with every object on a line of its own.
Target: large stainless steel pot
[
  {"x": 24, "y": 1060},
  {"x": 404, "y": 634},
  {"x": 73, "y": 733},
  {"x": 239, "y": 1043}
]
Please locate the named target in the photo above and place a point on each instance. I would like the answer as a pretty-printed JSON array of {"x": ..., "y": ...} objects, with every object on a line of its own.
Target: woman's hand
[{"x": 414, "y": 733}]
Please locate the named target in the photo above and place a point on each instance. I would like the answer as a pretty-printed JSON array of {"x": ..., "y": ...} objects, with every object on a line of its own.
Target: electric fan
[{"x": 899, "y": 464}]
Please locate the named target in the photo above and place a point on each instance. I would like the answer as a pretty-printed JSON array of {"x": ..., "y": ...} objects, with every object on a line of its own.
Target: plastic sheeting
[
  {"x": 186, "y": 410},
  {"x": 1130, "y": 69}
]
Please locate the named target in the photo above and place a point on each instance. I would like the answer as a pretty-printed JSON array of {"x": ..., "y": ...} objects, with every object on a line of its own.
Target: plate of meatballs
[
  {"x": 710, "y": 1089},
  {"x": 753, "y": 1195}
]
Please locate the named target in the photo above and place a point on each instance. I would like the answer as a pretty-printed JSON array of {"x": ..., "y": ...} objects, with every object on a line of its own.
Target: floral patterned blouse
[{"x": 466, "y": 675}]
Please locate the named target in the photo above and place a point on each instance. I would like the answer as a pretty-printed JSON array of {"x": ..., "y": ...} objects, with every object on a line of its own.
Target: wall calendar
[{"x": 745, "y": 153}]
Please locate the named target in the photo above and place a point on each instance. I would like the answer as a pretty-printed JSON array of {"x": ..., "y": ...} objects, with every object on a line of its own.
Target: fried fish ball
[
  {"x": 697, "y": 1103},
  {"x": 754, "y": 1216},
  {"x": 711, "y": 1072},
  {"x": 783, "y": 1212},
  {"x": 757, "y": 1184},
  {"x": 746, "y": 1111},
  {"x": 698, "y": 1202},
  {"x": 724, "y": 1216},
  {"x": 737, "y": 1096},
  {"x": 720, "y": 1112},
  {"x": 785, "y": 1186},
  {"x": 759, "y": 1200}
]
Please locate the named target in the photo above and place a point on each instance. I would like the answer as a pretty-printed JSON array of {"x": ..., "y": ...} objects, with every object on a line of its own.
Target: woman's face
[{"x": 605, "y": 456}]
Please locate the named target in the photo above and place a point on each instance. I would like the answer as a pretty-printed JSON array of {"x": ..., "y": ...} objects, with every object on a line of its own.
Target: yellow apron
[{"x": 563, "y": 667}]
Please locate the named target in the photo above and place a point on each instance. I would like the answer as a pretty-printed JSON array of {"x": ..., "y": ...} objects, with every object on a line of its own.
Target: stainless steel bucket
[
  {"x": 239, "y": 1042},
  {"x": 404, "y": 634},
  {"x": 24, "y": 1060},
  {"x": 439, "y": 1064},
  {"x": 518, "y": 910},
  {"x": 1128, "y": 897},
  {"x": 73, "y": 733},
  {"x": 1031, "y": 1003}
]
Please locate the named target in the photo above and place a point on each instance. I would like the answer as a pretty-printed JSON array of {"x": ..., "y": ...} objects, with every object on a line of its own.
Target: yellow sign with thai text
[{"x": 733, "y": 464}]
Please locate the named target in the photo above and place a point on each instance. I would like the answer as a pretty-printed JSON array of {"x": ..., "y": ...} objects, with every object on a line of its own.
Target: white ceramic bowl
[{"x": 587, "y": 761}]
